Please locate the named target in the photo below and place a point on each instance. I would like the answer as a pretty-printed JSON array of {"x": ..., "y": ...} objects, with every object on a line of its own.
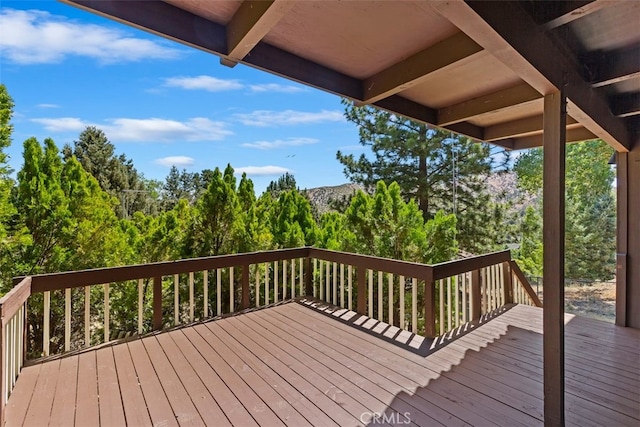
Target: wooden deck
[{"x": 296, "y": 365}]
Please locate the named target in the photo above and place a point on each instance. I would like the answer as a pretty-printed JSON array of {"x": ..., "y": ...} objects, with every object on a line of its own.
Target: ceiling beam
[
  {"x": 505, "y": 98},
  {"x": 251, "y": 22},
  {"x": 533, "y": 141},
  {"x": 519, "y": 128},
  {"x": 412, "y": 70},
  {"x": 613, "y": 67},
  {"x": 509, "y": 33},
  {"x": 557, "y": 13},
  {"x": 412, "y": 110},
  {"x": 626, "y": 105}
]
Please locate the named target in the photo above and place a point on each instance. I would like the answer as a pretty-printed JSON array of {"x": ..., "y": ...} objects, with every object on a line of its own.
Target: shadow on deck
[{"x": 298, "y": 364}]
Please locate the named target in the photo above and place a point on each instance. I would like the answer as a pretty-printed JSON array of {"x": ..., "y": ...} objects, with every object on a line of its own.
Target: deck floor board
[{"x": 304, "y": 363}]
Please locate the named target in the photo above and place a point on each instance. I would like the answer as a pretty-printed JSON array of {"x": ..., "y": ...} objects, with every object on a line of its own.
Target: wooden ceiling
[{"x": 479, "y": 68}]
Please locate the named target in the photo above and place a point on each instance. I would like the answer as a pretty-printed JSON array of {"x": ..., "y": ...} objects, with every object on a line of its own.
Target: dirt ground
[{"x": 595, "y": 300}]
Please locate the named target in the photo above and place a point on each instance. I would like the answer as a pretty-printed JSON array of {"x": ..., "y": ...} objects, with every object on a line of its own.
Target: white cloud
[
  {"x": 208, "y": 83},
  {"x": 275, "y": 87},
  {"x": 279, "y": 143},
  {"x": 48, "y": 106},
  {"x": 62, "y": 124},
  {"x": 143, "y": 130},
  {"x": 262, "y": 170},
  {"x": 178, "y": 161},
  {"x": 38, "y": 37},
  {"x": 265, "y": 118}
]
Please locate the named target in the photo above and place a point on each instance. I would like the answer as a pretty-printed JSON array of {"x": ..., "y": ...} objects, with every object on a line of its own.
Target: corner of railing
[{"x": 515, "y": 268}]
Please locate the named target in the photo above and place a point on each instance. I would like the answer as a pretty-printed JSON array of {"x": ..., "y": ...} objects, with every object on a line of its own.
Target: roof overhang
[{"x": 478, "y": 68}]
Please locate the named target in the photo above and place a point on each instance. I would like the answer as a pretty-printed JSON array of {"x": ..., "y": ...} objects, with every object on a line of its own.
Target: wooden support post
[
  {"x": 308, "y": 277},
  {"x": 476, "y": 304},
  {"x": 554, "y": 143},
  {"x": 362, "y": 290},
  {"x": 622, "y": 188},
  {"x": 157, "y": 303},
  {"x": 507, "y": 282},
  {"x": 245, "y": 286},
  {"x": 429, "y": 309}
]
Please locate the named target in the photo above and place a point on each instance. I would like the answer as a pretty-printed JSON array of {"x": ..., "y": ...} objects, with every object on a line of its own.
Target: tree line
[{"x": 426, "y": 198}]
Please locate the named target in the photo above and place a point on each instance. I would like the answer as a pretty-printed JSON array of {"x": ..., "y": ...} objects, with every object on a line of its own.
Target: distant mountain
[{"x": 320, "y": 197}]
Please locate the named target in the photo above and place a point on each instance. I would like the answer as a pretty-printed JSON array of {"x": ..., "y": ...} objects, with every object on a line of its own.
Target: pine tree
[
  {"x": 439, "y": 170},
  {"x": 6, "y": 129}
]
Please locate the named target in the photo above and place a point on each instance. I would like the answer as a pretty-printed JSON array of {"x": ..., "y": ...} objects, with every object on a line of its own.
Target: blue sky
[{"x": 162, "y": 103}]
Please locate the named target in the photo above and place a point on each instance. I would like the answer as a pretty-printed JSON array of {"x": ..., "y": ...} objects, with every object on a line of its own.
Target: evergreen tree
[
  {"x": 115, "y": 173},
  {"x": 590, "y": 207},
  {"x": 6, "y": 129},
  {"x": 292, "y": 222},
  {"x": 439, "y": 170},
  {"x": 284, "y": 183}
]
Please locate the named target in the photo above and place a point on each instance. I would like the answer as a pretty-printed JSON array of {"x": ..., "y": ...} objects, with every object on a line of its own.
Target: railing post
[
  {"x": 430, "y": 309},
  {"x": 308, "y": 276},
  {"x": 3, "y": 372},
  {"x": 476, "y": 306},
  {"x": 362, "y": 297},
  {"x": 157, "y": 303},
  {"x": 507, "y": 282},
  {"x": 245, "y": 286}
]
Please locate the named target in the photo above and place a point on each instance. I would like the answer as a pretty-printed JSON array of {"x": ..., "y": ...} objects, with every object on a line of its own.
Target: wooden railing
[
  {"x": 429, "y": 300},
  {"x": 74, "y": 310}
]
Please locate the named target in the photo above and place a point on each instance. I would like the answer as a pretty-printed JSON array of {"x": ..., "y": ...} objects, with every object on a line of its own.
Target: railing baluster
[
  {"x": 205, "y": 292},
  {"x": 67, "y": 319},
  {"x": 87, "y": 316},
  {"x": 380, "y": 297},
  {"x": 266, "y": 284},
  {"x": 414, "y": 305},
  {"x": 456, "y": 293},
  {"x": 465, "y": 289},
  {"x": 370, "y": 294},
  {"x": 218, "y": 291},
  {"x": 449, "y": 319},
  {"x": 191, "y": 302},
  {"x": 47, "y": 318},
  {"x": 231, "y": 291},
  {"x": 284, "y": 280},
  {"x": 390, "y": 284},
  {"x": 257, "y": 285},
  {"x": 402, "y": 307},
  {"x": 293, "y": 278},
  {"x": 350, "y": 286},
  {"x": 106, "y": 313},
  {"x": 321, "y": 284},
  {"x": 341, "y": 285},
  {"x": 176, "y": 299},
  {"x": 443, "y": 327},
  {"x": 327, "y": 279},
  {"x": 275, "y": 280},
  {"x": 301, "y": 278},
  {"x": 140, "y": 305},
  {"x": 335, "y": 283},
  {"x": 315, "y": 268}
]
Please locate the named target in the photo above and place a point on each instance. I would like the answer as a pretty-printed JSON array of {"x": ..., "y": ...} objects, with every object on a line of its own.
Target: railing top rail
[
  {"x": 406, "y": 268},
  {"x": 459, "y": 266},
  {"x": 74, "y": 279},
  {"x": 13, "y": 300}
]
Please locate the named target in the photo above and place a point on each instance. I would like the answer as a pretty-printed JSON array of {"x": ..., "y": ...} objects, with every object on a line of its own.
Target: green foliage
[
  {"x": 284, "y": 183},
  {"x": 292, "y": 223},
  {"x": 6, "y": 129},
  {"x": 439, "y": 170},
  {"x": 115, "y": 174},
  {"x": 590, "y": 209}
]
